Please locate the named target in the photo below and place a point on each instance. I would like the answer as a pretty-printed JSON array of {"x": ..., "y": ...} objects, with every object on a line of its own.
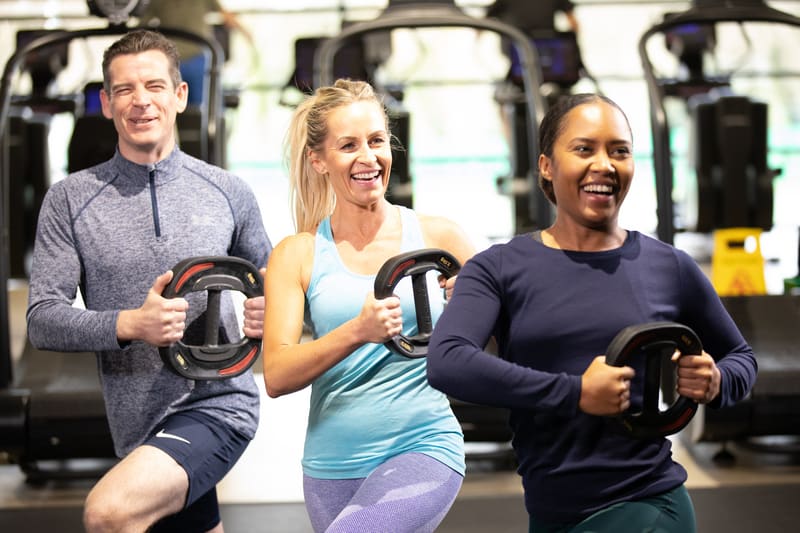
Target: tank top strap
[{"x": 413, "y": 238}]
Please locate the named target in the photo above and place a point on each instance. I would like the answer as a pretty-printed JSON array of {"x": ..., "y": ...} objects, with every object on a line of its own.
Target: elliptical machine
[
  {"x": 401, "y": 14},
  {"x": 734, "y": 191}
]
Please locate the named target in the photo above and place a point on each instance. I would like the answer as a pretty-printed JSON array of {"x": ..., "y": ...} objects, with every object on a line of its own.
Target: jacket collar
[{"x": 165, "y": 170}]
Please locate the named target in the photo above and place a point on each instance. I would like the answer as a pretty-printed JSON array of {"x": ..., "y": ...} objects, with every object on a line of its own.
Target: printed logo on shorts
[{"x": 164, "y": 435}]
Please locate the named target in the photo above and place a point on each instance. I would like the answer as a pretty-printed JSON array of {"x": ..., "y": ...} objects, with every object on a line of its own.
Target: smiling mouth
[
  {"x": 140, "y": 121},
  {"x": 366, "y": 176},
  {"x": 597, "y": 188}
]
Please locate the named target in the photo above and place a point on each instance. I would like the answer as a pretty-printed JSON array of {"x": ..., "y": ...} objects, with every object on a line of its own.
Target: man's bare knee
[
  {"x": 139, "y": 490},
  {"x": 100, "y": 514}
]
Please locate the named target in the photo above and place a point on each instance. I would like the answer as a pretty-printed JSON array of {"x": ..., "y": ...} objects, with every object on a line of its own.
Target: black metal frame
[
  {"x": 445, "y": 15},
  {"x": 662, "y": 152},
  {"x": 212, "y": 127}
]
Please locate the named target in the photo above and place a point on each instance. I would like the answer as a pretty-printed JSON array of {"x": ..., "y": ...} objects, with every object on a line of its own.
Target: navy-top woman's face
[{"x": 591, "y": 166}]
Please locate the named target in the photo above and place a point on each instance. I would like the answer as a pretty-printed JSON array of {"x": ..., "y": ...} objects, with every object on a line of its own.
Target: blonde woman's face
[{"x": 356, "y": 156}]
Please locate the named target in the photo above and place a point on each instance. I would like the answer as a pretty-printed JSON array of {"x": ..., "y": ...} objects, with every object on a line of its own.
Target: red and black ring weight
[
  {"x": 213, "y": 274},
  {"x": 415, "y": 264}
]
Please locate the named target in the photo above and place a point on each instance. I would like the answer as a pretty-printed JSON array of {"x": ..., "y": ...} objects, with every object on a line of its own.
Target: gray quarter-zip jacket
[{"x": 110, "y": 230}]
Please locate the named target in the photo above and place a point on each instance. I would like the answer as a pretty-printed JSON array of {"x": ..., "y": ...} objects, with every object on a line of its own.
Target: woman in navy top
[{"x": 554, "y": 300}]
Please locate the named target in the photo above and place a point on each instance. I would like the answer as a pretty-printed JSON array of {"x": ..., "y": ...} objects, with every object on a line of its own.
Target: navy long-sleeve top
[{"x": 552, "y": 312}]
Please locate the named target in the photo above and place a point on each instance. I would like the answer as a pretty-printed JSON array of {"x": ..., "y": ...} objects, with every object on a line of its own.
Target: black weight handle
[
  {"x": 211, "y": 360},
  {"x": 415, "y": 264},
  {"x": 655, "y": 341}
]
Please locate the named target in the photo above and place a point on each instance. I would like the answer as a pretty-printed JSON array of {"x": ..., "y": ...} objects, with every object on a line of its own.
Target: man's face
[{"x": 143, "y": 104}]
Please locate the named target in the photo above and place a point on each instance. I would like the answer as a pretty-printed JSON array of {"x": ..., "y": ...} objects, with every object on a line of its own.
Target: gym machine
[
  {"x": 734, "y": 190},
  {"x": 52, "y": 415},
  {"x": 690, "y": 34},
  {"x": 562, "y": 67},
  {"x": 401, "y": 14}
]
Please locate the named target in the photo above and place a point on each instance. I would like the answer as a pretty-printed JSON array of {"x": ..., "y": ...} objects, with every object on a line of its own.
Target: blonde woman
[{"x": 383, "y": 450}]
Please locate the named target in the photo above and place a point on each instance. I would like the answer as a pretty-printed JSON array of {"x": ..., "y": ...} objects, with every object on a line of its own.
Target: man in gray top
[{"x": 114, "y": 231}]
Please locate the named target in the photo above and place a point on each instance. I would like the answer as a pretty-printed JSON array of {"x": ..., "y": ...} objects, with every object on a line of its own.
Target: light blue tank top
[{"x": 374, "y": 404}]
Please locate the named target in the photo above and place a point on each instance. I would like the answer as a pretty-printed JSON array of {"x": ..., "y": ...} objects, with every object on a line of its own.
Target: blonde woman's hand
[{"x": 380, "y": 320}]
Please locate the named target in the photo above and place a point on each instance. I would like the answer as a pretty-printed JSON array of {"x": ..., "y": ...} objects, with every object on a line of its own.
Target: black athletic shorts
[{"x": 206, "y": 450}]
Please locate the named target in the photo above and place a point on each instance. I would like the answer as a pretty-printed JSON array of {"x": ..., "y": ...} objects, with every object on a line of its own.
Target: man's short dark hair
[{"x": 136, "y": 42}]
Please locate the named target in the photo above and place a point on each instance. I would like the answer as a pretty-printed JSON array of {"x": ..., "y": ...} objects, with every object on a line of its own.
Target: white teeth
[
  {"x": 598, "y": 188},
  {"x": 366, "y": 175}
]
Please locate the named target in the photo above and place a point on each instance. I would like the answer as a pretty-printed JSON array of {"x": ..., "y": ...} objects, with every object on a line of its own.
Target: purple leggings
[{"x": 409, "y": 492}]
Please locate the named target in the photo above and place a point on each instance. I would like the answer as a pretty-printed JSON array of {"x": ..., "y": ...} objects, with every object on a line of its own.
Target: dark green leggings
[{"x": 669, "y": 512}]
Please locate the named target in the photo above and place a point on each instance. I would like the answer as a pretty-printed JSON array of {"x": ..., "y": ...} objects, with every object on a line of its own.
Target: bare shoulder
[
  {"x": 291, "y": 262},
  {"x": 296, "y": 242},
  {"x": 444, "y": 233},
  {"x": 293, "y": 251},
  {"x": 437, "y": 227}
]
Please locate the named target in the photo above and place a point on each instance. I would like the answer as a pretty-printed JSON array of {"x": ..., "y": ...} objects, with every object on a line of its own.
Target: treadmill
[
  {"x": 769, "y": 419},
  {"x": 412, "y": 14},
  {"x": 52, "y": 414}
]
